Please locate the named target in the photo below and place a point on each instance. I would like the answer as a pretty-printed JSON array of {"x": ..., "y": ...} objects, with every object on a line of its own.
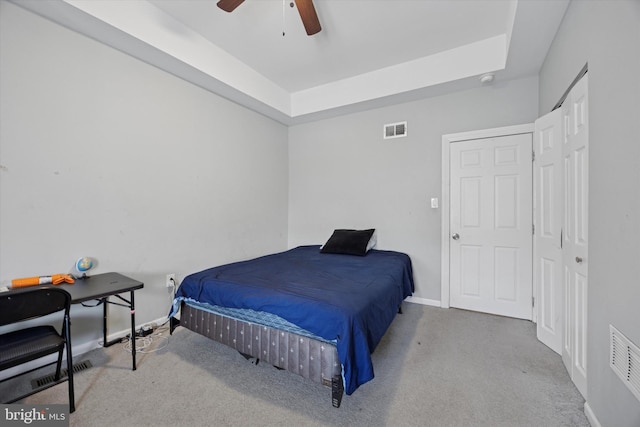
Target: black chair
[{"x": 31, "y": 343}]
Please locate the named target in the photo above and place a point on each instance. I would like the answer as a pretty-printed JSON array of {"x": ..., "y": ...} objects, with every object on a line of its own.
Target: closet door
[
  {"x": 547, "y": 243},
  {"x": 561, "y": 201},
  {"x": 575, "y": 241}
]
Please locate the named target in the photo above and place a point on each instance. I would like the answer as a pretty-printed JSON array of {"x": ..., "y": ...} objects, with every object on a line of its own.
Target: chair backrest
[{"x": 21, "y": 304}]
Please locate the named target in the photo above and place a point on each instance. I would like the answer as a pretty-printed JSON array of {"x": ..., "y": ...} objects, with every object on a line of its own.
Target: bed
[{"x": 307, "y": 310}]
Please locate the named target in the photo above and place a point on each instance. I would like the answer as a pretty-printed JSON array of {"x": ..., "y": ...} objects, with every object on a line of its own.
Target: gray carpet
[{"x": 434, "y": 367}]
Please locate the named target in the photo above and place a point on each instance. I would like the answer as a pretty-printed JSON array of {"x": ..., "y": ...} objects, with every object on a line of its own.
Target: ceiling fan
[{"x": 305, "y": 8}]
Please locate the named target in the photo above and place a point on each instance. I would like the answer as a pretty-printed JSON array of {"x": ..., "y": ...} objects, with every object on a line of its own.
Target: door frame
[{"x": 447, "y": 140}]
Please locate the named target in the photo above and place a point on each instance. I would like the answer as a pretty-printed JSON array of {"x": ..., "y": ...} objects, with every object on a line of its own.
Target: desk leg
[
  {"x": 133, "y": 331},
  {"x": 105, "y": 303},
  {"x": 132, "y": 307}
]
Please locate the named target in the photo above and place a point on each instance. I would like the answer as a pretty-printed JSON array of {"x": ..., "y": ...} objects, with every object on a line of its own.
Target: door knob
[
  {"x": 579, "y": 260},
  {"x": 455, "y": 236}
]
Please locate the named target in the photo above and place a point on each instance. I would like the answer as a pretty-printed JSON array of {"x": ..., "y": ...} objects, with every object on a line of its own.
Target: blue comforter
[{"x": 348, "y": 298}]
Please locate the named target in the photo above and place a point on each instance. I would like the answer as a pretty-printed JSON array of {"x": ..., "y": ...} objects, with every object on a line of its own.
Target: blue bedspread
[{"x": 349, "y": 298}]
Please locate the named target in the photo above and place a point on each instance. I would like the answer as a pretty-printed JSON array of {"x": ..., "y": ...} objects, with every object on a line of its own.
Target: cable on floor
[{"x": 143, "y": 343}]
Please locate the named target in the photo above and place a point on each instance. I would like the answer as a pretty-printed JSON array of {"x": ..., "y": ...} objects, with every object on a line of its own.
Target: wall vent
[
  {"x": 624, "y": 359},
  {"x": 395, "y": 130}
]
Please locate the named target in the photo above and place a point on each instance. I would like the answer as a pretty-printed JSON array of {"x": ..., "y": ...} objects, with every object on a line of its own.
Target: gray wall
[
  {"x": 106, "y": 156},
  {"x": 343, "y": 174},
  {"x": 606, "y": 34}
]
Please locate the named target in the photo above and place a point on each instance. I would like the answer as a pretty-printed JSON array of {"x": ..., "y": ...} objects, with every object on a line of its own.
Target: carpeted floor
[{"x": 434, "y": 367}]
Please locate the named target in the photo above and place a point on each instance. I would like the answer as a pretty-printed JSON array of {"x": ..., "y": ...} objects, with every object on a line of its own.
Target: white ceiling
[
  {"x": 358, "y": 36},
  {"x": 368, "y": 54}
]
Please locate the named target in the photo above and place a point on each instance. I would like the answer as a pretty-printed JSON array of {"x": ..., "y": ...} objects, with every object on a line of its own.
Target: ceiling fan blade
[
  {"x": 229, "y": 5},
  {"x": 309, "y": 16}
]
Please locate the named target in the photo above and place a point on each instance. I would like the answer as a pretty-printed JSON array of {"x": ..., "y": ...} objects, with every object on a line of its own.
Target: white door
[
  {"x": 490, "y": 225},
  {"x": 547, "y": 246},
  {"x": 575, "y": 238}
]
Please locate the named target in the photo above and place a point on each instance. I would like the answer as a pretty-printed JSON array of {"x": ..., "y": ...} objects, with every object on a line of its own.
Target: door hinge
[
  {"x": 533, "y": 156},
  {"x": 533, "y": 229},
  {"x": 533, "y": 302}
]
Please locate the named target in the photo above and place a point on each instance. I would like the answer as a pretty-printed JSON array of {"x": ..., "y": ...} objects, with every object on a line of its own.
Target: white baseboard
[
  {"x": 591, "y": 417},
  {"x": 123, "y": 333},
  {"x": 423, "y": 301}
]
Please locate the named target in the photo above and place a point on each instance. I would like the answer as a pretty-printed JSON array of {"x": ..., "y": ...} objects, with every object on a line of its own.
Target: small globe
[{"x": 84, "y": 264}]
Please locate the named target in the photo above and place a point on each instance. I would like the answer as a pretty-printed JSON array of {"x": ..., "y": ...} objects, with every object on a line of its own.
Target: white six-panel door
[
  {"x": 548, "y": 209},
  {"x": 490, "y": 225},
  {"x": 561, "y": 240},
  {"x": 575, "y": 154}
]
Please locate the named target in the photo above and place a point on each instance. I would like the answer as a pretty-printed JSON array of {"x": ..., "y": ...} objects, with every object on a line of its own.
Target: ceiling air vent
[
  {"x": 395, "y": 130},
  {"x": 625, "y": 360}
]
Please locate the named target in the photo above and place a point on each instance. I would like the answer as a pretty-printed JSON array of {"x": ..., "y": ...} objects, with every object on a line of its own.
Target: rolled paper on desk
[{"x": 56, "y": 279}]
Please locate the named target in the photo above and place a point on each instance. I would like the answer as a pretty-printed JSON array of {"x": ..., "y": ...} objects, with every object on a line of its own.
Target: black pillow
[{"x": 351, "y": 242}]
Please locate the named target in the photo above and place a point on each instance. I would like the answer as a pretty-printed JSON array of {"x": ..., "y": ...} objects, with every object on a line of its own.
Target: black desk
[{"x": 100, "y": 287}]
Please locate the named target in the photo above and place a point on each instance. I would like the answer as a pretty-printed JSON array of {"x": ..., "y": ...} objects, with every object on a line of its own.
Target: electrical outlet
[{"x": 171, "y": 280}]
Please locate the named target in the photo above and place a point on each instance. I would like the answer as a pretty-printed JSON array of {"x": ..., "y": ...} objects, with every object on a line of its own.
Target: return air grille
[
  {"x": 625, "y": 360},
  {"x": 48, "y": 379},
  {"x": 395, "y": 130}
]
